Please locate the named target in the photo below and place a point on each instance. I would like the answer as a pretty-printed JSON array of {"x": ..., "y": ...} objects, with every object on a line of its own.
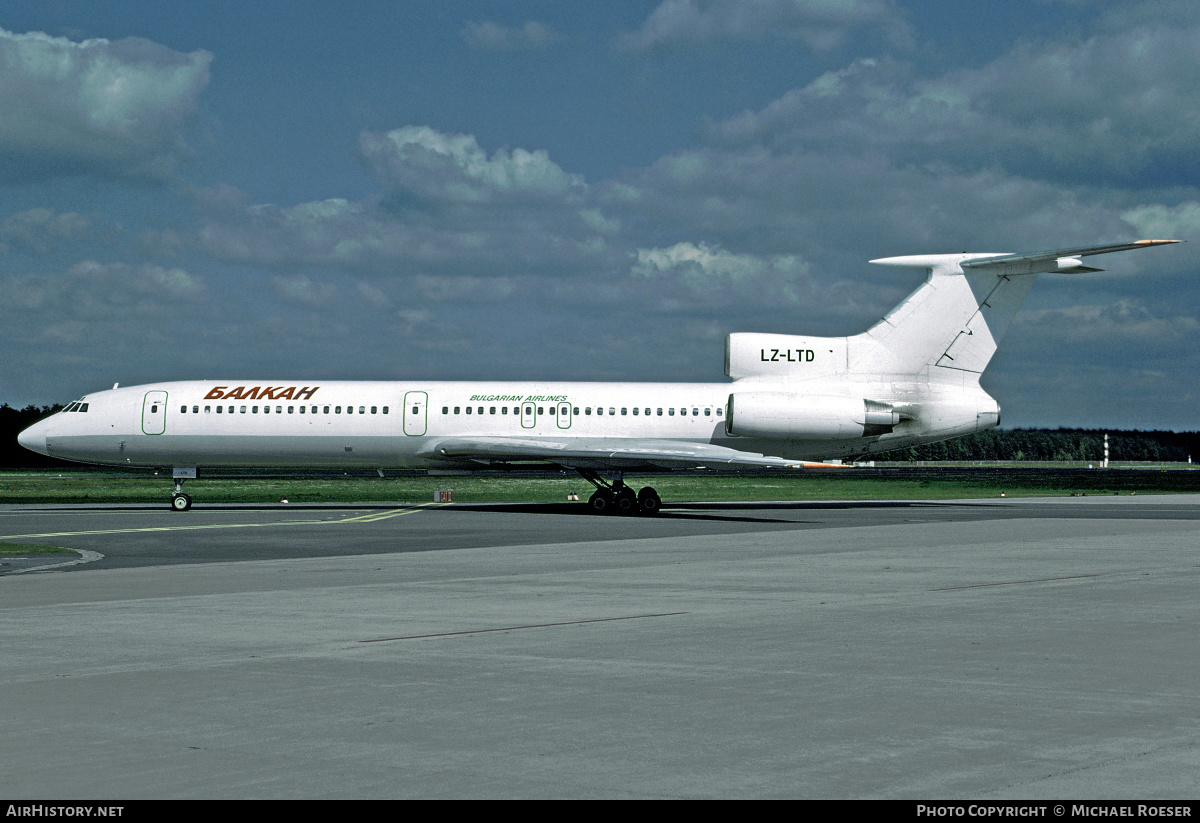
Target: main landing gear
[{"x": 612, "y": 496}]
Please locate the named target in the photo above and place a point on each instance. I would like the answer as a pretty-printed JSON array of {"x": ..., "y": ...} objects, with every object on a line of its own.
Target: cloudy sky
[{"x": 521, "y": 190}]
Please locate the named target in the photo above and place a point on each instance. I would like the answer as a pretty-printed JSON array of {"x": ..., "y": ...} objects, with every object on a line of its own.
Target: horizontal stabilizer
[{"x": 1060, "y": 260}]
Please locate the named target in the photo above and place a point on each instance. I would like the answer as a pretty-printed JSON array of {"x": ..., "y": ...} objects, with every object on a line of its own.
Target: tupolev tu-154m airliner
[{"x": 911, "y": 378}]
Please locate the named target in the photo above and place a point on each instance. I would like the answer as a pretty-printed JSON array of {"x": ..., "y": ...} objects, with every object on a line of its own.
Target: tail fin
[
  {"x": 947, "y": 329},
  {"x": 954, "y": 320}
]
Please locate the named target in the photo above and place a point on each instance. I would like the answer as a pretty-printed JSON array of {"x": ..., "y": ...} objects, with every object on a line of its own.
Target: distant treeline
[
  {"x": 1059, "y": 444},
  {"x": 997, "y": 444},
  {"x": 12, "y": 421}
]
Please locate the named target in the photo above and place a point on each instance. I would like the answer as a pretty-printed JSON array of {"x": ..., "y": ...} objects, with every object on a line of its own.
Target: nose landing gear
[{"x": 181, "y": 502}]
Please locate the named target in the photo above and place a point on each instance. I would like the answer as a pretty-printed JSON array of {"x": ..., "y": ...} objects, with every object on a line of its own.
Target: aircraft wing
[
  {"x": 601, "y": 453},
  {"x": 1066, "y": 260}
]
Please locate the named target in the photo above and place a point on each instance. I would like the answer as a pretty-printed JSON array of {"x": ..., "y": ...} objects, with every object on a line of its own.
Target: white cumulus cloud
[
  {"x": 428, "y": 164},
  {"x": 113, "y": 108},
  {"x": 819, "y": 24}
]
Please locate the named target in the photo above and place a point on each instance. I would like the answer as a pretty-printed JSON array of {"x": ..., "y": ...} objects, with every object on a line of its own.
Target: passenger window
[
  {"x": 290, "y": 409},
  {"x": 337, "y": 410},
  {"x": 326, "y": 410},
  {"x": 374, "y": 410},
  {"x": 183, "y": 409},
  {"x": 279, "y": 409},
  {"x": 457, "y": 409},
  {"x": 708, "y": 412},
  {"x": 671, "y": 412},
  {"x": 220, "y": 409},
  {"x": 385, "y": 410},
  {"x": 540, "y": 410},
  {"x": 660, "y": 412},
  {"x": 492, "y": 410},
  {"x": 612, "y": 410},
  {"x": 243, "y": 409},
  {"x": 349, "y": 410},
  {"x": 154, "y": 409},
  {"x": 504, "y": 409},
  {"x": 254, "y": 410},
  {"x": 588, "y": 410},
  {"x": 599, "y": 410},
  {"x": 575, "y": 411},
  {"x": 695, "y": 412},
  {"x": 266, "y": 409},
  {"x": 195, "y": 409},
  {"x": 363, "y": 409},
  {"x": 720, "y": 411},
  {"x": 301, "y": 409},
  {"x": 415, "y": 409},
  {"x": 635, "y": 411},
  {"x": 208, "y": 409}
]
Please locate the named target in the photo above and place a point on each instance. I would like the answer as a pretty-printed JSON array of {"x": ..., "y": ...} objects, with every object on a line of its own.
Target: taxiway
[{"x": 983, "y": 649}]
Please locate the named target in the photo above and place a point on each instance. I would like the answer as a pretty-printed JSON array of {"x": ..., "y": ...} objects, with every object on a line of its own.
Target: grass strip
[
  {"x": 850, "y": 484},
  {"x": 29, "y": 549}
]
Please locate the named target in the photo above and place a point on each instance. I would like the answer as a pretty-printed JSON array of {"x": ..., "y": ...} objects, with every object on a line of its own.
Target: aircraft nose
[{"x": 34, "y": 439}]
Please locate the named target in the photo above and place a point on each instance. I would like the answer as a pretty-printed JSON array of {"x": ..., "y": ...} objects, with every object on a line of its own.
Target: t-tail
[
  {"x": 949, "y": 326},
  {"x": 912, "y": 377}
]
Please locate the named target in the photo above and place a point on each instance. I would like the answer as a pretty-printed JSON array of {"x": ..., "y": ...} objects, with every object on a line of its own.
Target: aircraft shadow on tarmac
[
  {"x": 702, "y": 511},
  {"x": 675, "y": 511}
]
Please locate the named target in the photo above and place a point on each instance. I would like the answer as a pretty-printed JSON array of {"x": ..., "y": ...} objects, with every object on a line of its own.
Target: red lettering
[
  {"x": 236, "y": 394},
  {"x": 286, "y": 394},
  {"x": 305, "y": 393},
  {"x": 216, "y": 394},
  {"x": 267, "y": 394}
]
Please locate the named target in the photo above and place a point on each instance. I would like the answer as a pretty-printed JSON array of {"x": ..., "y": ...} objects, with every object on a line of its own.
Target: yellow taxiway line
[{"x": 371, "y": 517}]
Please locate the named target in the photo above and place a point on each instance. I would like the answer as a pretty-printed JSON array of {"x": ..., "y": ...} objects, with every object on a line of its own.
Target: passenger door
[
  {"x": 154, "y": 412},
  {"x": 415, "y": 402}
]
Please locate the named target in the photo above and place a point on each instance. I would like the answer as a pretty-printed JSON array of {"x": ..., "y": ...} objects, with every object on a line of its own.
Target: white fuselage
[{"x": 392, "y": 424}]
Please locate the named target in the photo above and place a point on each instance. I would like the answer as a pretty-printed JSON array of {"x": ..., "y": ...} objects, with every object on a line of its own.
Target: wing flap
[{"x": 601, "y": 453}]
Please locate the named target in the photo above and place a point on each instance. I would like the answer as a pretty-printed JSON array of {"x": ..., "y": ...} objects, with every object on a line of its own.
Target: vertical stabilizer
[{"x": 953, "y": 321}]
